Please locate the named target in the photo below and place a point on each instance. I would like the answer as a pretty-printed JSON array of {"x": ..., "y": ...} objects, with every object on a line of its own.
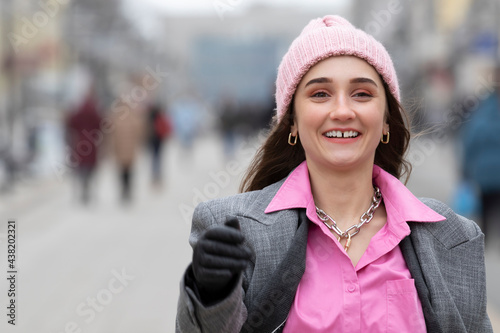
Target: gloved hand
[{"x": 218, "y": 259}]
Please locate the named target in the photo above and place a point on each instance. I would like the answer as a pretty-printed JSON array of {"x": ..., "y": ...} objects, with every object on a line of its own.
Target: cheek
[
  {"x": 311, "y": 115},
  {"x": 378, "y": 118},
  {"x": 308, "y": 127}
]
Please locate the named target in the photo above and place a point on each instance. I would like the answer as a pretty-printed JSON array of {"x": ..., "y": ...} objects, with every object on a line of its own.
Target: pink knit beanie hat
[{"x": 322, "y": 38}]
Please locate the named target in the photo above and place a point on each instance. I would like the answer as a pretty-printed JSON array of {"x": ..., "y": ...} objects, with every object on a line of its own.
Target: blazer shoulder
[{"x": 453, "y": 231}]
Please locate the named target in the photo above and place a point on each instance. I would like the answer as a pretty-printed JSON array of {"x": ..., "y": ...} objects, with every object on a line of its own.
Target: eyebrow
[
  {"x": 319, "y": 80},
  {"x": 354, "y": 80},
  {"x": 363, "y": 80}
]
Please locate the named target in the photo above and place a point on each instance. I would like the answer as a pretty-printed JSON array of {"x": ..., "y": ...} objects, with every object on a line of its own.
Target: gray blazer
[{"x": 446, "y": 260}]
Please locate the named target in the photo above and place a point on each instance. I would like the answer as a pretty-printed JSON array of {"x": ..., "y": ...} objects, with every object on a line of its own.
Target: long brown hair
[{"x": 275, "y": 159}]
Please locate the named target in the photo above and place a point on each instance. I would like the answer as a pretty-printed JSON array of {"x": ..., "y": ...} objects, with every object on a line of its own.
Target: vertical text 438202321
[{"x": 11, "y": 271}]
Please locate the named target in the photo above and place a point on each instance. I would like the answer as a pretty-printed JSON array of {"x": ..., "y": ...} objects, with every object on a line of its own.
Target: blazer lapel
[
  {"x": 270, "y": 308},
  {"x": 412, "y": 262}
]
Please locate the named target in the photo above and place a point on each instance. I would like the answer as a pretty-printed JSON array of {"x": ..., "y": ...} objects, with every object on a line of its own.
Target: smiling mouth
[{"x": 340, "y": 134}]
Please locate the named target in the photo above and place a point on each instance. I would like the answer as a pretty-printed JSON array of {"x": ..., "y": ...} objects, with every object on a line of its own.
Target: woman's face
[{"x": 339, "y": 109}]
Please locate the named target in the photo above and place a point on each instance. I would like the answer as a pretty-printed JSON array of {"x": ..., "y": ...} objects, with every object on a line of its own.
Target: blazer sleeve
[
  {"x": 450, "y": 259},
  {"x": 474, "y": 280},
  {"x": 465, "y": 273},
  {"x": 228, "y": 315}
]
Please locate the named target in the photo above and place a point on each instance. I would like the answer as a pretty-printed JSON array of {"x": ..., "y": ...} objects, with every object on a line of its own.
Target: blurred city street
[
  {"x": 118, "y": 117},
  {"x": 113, "y": 268},
  {"x": 68, "y": 254}
]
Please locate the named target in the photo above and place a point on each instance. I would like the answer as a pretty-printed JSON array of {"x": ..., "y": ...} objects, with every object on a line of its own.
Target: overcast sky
[
  {"x": 199, "y": 7},
  {"x": 146, "y": 12}
]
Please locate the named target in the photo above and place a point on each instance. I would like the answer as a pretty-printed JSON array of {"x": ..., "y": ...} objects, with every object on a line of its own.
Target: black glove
[{"x": 218, "y": 259}]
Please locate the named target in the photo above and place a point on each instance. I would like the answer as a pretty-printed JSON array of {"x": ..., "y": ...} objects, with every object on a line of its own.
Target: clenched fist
[{"x": 218, "y": 259}]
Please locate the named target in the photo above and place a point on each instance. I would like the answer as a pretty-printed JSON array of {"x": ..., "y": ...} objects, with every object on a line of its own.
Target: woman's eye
[
  {"x": 320, "y": 94},
  {"x": 362, "y": 94}
]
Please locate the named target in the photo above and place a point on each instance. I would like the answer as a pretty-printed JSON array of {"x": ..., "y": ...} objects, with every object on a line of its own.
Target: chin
[{"x": 345, "y": 164}]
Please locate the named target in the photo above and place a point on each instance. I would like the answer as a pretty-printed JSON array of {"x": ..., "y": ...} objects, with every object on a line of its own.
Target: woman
[
  {"x": 326, "y": 238},
  {"x": 127, "y": 136}
]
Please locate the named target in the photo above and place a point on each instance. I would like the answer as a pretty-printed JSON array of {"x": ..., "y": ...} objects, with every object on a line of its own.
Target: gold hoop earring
[
  {"x": 386, "y": 139},
  {"x": 294, "y": 139}
]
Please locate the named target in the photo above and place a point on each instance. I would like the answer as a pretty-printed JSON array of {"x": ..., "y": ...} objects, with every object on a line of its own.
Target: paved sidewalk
[{"x": 108, "y": 267}]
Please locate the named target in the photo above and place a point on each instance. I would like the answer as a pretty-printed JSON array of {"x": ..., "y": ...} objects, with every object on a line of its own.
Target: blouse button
[{"x": 351, "y": 288}]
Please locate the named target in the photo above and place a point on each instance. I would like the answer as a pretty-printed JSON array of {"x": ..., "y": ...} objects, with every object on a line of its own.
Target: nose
[{"x": 341, "y": 109}]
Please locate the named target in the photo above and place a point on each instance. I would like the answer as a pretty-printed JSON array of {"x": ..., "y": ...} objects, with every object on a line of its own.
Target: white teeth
[{"x": 339, "y": 134}]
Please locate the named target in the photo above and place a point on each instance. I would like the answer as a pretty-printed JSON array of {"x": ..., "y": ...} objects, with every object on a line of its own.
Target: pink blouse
[{"x": 379, "y": 294}]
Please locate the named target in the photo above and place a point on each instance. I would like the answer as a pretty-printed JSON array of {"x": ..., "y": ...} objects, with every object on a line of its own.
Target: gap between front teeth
[{"x": 339, "y": 134}]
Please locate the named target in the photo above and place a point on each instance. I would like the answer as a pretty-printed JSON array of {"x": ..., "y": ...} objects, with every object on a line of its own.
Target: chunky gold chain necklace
[{"x": 352, "y": 230}]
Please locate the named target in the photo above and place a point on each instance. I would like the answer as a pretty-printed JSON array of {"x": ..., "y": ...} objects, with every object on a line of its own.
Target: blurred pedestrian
[
  {"x": 160, "y": 128},
  {"x": 228, "y": 125},
  {"x": 127, "y": 137},
  {"x": 84, "y": 137},
  {"x": 481, "y": 160},
  {"x": 325, "y": 237},
  {"x": 187, "y": 113}
]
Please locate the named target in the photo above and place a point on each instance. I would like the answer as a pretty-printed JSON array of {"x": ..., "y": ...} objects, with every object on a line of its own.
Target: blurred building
[
  {"x": 101, "y": 38},
  {"x": 236, "y": 52},
  {"x": 442, "y": 50},
  {"x": 50, "y": 52},
  {"x": 32, "y": 58}
]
